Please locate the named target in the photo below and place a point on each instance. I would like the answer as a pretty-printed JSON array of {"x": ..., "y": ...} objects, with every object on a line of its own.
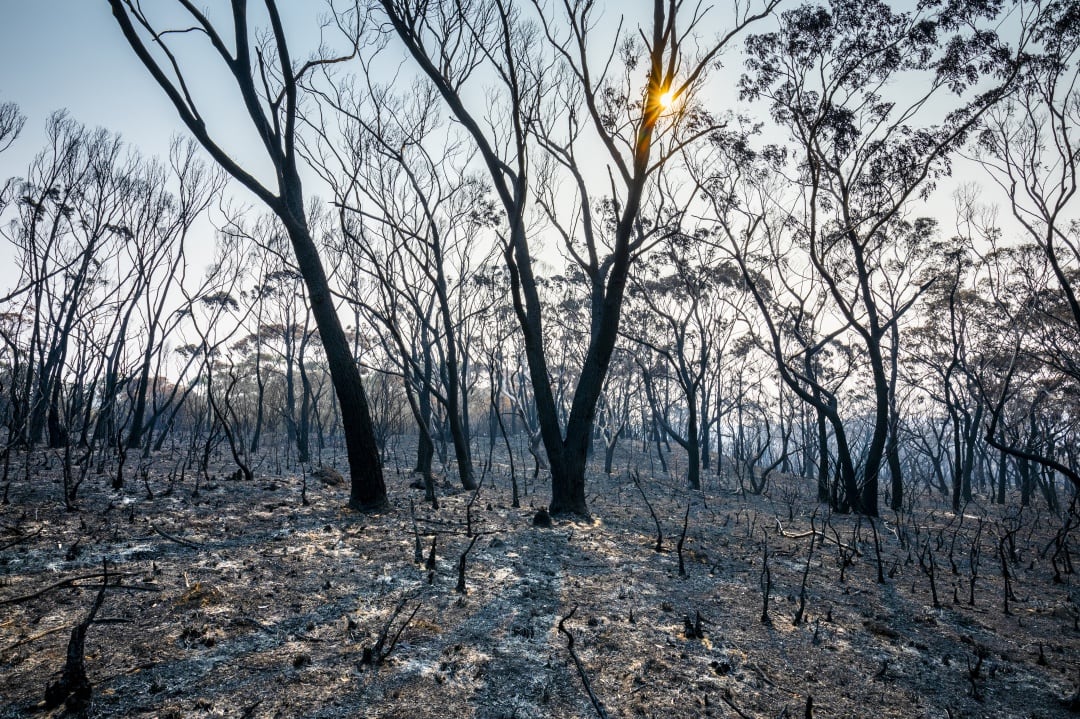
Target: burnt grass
[{"x": 242, "y": 601}]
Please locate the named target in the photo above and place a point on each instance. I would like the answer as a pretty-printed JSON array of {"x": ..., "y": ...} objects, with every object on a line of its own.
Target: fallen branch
[
  {"x": 20, "y": 540},
  {"x": 726, "y": 696},
  {"x": 34, "y": 638},
  {"x": 790, "y": 535},
  {"x": 820, "y": 534},
  {"x": 178, "y": 540},
  {"x": 57, "y": 585},
  {"x": 250, "y": 710},
  {"x": 600, "y": 712}
]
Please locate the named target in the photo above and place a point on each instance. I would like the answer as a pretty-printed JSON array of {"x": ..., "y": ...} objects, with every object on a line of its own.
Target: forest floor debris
[{"x": 264, "y": 607}]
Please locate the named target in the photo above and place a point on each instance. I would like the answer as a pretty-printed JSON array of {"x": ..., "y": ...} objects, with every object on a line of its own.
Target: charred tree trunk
[
  {"x": 367, "y": 488},
  {"x": 260, "y": 396},
  {"x": 274, "y": 116},
  {"x": 303, "y": 423}
]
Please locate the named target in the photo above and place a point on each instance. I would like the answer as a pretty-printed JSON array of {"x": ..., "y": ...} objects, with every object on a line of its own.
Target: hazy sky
[
  {"x": 57, "y": 54},
  {"x": 71, "y": 54}
]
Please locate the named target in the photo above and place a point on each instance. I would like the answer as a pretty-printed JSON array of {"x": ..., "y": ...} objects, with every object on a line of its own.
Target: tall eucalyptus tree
[
  {"x": 267, "y": 78},
  {"x": 864, "y": 151},
  {"x": 557, "y": 88}
]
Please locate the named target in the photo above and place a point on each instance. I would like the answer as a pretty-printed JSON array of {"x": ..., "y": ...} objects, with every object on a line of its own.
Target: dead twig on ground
[
  {"x": 378, "y": 653},
  {"x": 20, "y": 540},
  {"x": 659, "y": 532},
  {"x": 33, "y": 638},
  {"x": 178, "y": 540},
  {"x": 600, "y": 712},
  {"x": 819, "y": 534},
  {"x": 57, "y": 585},
  {"x": 726, "y": 697}
]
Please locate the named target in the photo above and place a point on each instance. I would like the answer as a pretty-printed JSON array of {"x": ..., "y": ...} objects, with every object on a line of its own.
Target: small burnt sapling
[
  {"x": 385, "y": 642},
  {"x": 952, "y": 544},
  {"x": 71, "y": 484},
  {"x": 121, "y": 457},
  {"x": 430, "y": 565},
  {"x": 144, "y": 475},
  {"x": 929, "y": 568},
  {"x": 303, "y": 487},
  {"x": 877, "y": 553},
  {"x": 1006, "y": 575},
  {"x": 973, "y": 562},
  {"x": 6, "y": 477},
  {"x": 460, "y": 589},
  {"x": 74, "y": 688},
  {"x": 682, "y": 540},
  {"x": 765, "y": 581},
  {"x": 418, "y": 549},
  {"x": 846, "y": 554},
  {"x": 659, "y": 532},
  {"x": 806, "y": 573},
  {"x": 495, "y": 372},
  {"x": 974, "y": 672},
  {"x": 472, "y": 500},
  {"x": 694, "y": 628}
]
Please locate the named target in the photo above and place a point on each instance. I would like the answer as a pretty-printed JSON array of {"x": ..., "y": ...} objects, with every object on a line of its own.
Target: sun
[{"x": 666, "y": 99}]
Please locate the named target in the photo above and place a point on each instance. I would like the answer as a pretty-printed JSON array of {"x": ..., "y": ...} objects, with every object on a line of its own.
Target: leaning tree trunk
[
  {"x": 275, "y": 120},
  {"x": 367, "y": 488}
]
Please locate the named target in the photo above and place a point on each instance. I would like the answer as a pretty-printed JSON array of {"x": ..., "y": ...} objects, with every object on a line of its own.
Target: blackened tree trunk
[
  {"x": 425, "y": 448},
  {"x": 821, "y": 424},
  {"x": 303, "y": 422},
  {"x": 441, "y": 49},
  {"x": 260, "y": 390},
  {"x": 892, "y": 445},
  {"x": 858, "y": 183},
  {"x": 367, "y": 487},
  {"x": 274, "y": 116}
]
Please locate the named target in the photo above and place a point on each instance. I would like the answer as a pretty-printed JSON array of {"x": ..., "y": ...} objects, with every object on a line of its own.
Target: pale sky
[
  {"x": 71, "y": 54},
  {"x": 57, "y": 54}
]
